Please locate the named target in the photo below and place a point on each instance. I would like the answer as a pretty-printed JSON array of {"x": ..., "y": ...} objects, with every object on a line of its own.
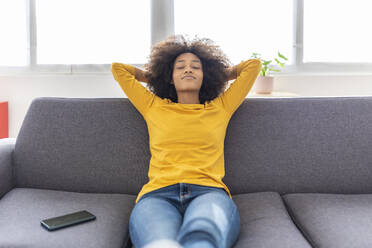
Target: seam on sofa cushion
[
  {"x": 297, "y": 224},
  {"x": 127, "y": 241}
]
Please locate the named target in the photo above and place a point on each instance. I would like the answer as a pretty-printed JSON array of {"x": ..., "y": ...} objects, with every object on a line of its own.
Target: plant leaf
[{"x": 282, "y": 56}]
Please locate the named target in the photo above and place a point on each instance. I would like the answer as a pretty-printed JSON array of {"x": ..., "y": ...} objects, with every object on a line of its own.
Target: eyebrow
[{"x": 184, "y": 60}]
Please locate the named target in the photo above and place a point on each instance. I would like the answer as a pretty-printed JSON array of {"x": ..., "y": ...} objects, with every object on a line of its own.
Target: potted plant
[{"x": 265, "y": 83}]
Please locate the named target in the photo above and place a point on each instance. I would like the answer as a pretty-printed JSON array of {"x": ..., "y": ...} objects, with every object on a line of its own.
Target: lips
[{"x": 188, "y": 77}]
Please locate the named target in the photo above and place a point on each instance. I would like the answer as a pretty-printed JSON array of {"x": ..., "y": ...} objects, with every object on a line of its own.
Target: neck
[{"x": 188, "y": 98}]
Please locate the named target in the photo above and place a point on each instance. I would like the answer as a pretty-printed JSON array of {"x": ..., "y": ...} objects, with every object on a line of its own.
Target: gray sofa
[{"x": 299, "y": 169}]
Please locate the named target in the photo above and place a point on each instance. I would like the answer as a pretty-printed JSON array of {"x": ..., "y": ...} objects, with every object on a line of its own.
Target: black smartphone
[{"x": 67, "y": 220}]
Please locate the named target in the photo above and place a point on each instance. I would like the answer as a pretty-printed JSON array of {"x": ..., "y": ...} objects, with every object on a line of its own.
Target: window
[
  {"x": 92, "y": 31},
  {"x": 239, "y": 27},
  {"x": 337, "y": 31},
  {"x": 13, "y": 41},
  {"x": 86, "y": 36}
]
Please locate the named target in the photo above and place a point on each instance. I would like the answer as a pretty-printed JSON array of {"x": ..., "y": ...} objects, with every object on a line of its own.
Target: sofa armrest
[{"x": 6, "y": 167}]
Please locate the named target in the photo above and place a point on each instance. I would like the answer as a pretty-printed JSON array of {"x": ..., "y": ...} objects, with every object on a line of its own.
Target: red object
[{"x": 4, "y": 123}]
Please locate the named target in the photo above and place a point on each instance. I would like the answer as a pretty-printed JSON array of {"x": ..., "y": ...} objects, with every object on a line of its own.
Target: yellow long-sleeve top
[{"x": 186, "y": 140}]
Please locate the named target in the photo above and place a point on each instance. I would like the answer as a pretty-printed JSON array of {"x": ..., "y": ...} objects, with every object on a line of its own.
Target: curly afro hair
[{"x": 160, "y": 66}]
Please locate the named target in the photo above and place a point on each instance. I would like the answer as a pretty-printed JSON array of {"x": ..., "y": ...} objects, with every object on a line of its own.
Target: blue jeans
[{"x": 189, "y": 214}]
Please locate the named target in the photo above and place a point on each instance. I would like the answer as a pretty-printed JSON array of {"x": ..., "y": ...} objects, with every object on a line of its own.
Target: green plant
[{"x": 267, "y": 65}]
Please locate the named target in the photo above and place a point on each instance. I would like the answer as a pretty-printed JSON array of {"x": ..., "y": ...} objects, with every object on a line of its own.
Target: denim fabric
[{"x": 192, "y": 215}]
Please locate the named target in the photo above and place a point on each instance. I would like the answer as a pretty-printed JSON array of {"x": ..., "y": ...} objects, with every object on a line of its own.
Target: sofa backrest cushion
[
  {"x": 82, "y": 144},
  {"x": 287, "y": 145}
]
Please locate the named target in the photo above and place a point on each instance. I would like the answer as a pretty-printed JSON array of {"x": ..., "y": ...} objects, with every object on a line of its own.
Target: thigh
[
  {"x": 153, "y": 218},
  {"x": 216, "y": 213}
]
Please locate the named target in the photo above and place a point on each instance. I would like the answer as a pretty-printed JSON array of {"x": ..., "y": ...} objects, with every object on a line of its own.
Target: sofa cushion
[
  {"x": 333, "y": 220},
  {"x": 82, "y": 145},
  {"x": 21, "y": 211},
  {"x": 285, "y": 145},
  {"x": 265, "y": 222}
]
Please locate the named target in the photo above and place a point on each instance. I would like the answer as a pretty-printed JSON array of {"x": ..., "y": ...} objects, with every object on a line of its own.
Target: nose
[
  {"x": 188, "y": 73},
  {"x": 188, "y": 70}
]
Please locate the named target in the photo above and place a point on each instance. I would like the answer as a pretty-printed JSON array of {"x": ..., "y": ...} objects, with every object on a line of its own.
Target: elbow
[{"x": 113, "y": 66}]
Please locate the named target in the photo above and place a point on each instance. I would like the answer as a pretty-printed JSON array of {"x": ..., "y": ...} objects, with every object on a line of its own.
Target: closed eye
[{"x": 183, "y": 67}]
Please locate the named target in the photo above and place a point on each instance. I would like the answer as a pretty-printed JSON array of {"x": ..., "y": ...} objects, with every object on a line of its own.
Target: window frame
[{"x": 162, "y": 25}]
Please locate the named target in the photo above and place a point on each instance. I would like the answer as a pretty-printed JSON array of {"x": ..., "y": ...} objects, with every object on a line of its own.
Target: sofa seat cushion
[
  {"x": 22, "y": 209},
  {"x": 265, "y": 222},
  {"x": 333, "y": 220}
]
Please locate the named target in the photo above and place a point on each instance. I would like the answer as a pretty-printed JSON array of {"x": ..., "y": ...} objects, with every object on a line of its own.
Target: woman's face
[{"x": 187, "y": 72}]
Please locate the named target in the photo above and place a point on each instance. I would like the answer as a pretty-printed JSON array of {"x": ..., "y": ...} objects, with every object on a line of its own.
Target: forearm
[
  {"x": 141, "y": 75},
  {"x": 232, "y": 73}
]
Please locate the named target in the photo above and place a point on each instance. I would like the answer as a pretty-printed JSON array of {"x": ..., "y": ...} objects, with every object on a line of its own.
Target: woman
[{"x": 187, "y": 110}]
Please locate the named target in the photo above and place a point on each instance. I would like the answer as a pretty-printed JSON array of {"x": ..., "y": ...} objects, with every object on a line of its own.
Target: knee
[{"x": 199, "y": 230}]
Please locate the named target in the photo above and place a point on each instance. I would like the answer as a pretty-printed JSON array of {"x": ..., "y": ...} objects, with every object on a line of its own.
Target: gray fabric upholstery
[
  {"x": 266, "y": 223},
  {"x": 82, "y": 145},
  {"x": 333, "y": 220},
  {"x": 298, "y": 145},
  {"x": 21, "y": 211},
  {"x": 285, "y": 145},
  {"x": 6, "y": 168},
  {"x": 74, "y": 153}
]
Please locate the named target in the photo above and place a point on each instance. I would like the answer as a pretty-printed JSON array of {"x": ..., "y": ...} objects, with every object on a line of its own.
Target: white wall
[{"x": 19, "y": 91}]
